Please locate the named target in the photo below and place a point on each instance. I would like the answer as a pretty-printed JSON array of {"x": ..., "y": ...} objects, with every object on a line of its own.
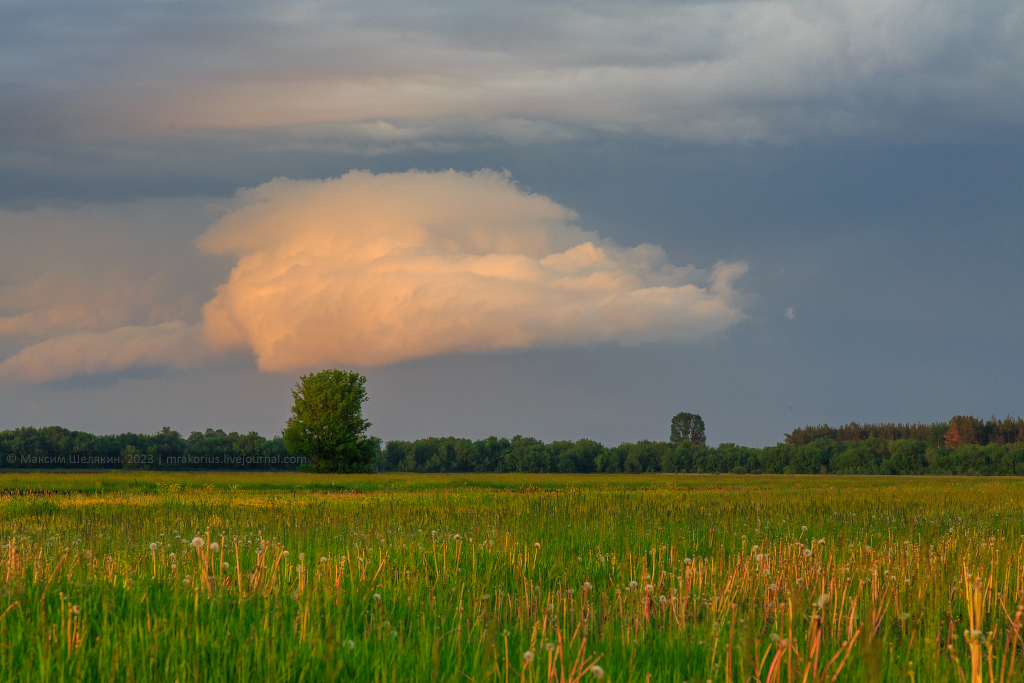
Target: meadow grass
[{"x": 293, "y": 577}]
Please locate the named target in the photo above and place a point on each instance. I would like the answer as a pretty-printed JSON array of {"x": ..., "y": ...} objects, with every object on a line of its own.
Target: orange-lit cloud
[
  {"x": 175, "y": 345},
  {"x": 360, "y": 270},
  {"x": 377, "y": 269}
]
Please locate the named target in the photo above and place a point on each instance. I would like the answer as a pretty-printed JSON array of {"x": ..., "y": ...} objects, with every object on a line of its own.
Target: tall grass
[{"x": 501, "y": 579}]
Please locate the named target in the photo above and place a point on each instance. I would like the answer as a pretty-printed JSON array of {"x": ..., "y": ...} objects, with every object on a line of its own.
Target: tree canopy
[
  {"x": 327, "y": 424},
  {"x": 688, "y": 427}
]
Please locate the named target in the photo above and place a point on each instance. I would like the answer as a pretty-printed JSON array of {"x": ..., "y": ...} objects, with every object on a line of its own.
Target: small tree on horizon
[
  {"x": 688, "y": 427},
  {"x": 327, "y": 424}
]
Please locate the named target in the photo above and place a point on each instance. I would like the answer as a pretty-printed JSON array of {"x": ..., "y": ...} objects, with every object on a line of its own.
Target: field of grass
[{"x": 505, "y": 578}]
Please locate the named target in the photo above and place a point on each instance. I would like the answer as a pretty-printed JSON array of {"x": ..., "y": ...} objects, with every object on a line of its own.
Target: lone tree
[
  {"x": 327, "y": 424},
  {"x": 688, "y": 427}
]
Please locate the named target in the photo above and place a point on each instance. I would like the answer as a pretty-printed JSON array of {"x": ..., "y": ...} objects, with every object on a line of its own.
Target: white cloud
[{"x": 376, "y": 269}]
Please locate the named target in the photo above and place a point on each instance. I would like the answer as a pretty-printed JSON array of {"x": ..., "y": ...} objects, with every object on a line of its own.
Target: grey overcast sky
[{"x": 562, "y": 220}]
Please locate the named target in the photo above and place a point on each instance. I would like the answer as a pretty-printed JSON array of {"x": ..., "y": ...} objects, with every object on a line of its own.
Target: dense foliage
[
  {"x": 327, "y": 424},
  {"x": 979, "y": 448},
  {"x": 960, "y": 430},
  {"x": 688, "y": 427},
  {"x": 59, "y": 448},
  {"x": 823, "y": 456}
]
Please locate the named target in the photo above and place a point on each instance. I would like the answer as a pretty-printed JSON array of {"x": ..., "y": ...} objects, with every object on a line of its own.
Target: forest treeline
[
  {"x": 964, "y": 445},
  {"x": 960, "y": 430},
  {"x": 60, "y": 448},
  {"x": 874, "y": 455}
]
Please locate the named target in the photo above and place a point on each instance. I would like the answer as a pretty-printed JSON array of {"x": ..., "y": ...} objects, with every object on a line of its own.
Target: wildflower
[
  {"x": 528, "y": 656},
  {"x": 579, "y": 559},
  {"x": 153, "y": 546},
  {"x": 806, "y": 552},
  {"x": 649, "y": 588},
  {"x": 663, "y": 599},
  {"x": 225, "y": 565},
  {"x": 284, "y": 553},
  {"x": 457, "y": 537},
  {"x": 687, "y": 561},
  {"x": 173, "y": 555},
  {"x": 803, "y": 528},
  {"x": 173, "y": 567},
  {"x": 821, "y": 541},
  {"x": 550, "y": 647},
  {"x": 75, "y": 609},
  {"x": 215, "y": 547},
  {"x": 904, "y": 616},
  {"x": 376, "y": 597},
  {"x": 394, "y": 634},
  {"x": 198, "y": 542},
  {"x": 755, "y": 548},
  {"x": 597, "y": 671},
  {"x": 760, "y": 557},
  {"x": 633, "y": 584},
  {"x": 587, "y": 586},
  {"x": 323, "y": 560},
  {"x": 187, "y": 580},
  {"x": 537, "y": 546},
  {"x": 351, "y": 644},
  {"x": 822, "y": 600}
]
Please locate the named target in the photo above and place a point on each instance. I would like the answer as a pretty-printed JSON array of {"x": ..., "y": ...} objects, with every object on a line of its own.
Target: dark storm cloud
[{"x": 390, "y": 74}]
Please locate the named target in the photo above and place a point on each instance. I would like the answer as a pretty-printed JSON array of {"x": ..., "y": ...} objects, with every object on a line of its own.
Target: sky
[{"x": 566, "y": 220}]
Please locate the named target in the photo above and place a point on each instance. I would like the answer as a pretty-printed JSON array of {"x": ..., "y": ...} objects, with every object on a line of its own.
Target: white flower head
[
  {"x": 153, "y": 547},
  {"x": 528, "y": 656},
  {"x": 215, "y": 547},
  {"x": 597, "y": 671},
  {"x": 198, "y": 542}
]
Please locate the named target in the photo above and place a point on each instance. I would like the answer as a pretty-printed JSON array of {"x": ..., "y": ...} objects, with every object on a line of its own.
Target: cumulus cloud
[
  {"x": 174, "y": 345},
  {"x": 102, "y": 288},
  {"x": 364, "y": 269},
  {"x": 376, "y": 269}
]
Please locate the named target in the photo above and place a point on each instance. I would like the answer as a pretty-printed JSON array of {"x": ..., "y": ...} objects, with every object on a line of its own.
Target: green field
[{"x": 509, "y": 578}]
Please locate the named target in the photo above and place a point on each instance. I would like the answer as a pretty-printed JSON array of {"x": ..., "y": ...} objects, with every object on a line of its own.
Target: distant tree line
[
  {"x": 964, "y": 445},
  {"x": 959, "y": 431},
  {"x": 874, "y": 455},
  {"x": 60, "y": 448}
]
